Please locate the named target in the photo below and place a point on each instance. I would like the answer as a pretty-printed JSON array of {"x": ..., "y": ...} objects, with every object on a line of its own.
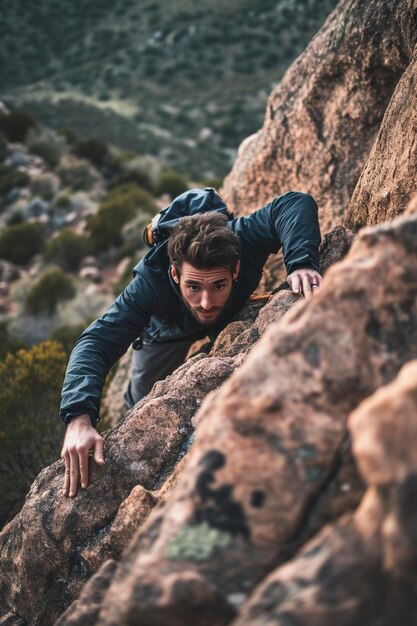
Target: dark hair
[{"x": 204, "y": 240}]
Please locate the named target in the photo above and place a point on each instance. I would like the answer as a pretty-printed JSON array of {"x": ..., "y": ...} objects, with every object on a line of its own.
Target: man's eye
[
  {"x": 193, "y": 288},
  {"x": 219, "y": 287}
]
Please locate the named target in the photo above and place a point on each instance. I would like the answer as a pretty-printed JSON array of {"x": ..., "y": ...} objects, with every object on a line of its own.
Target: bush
[
  {"x": 16, "y": 124},
  {"x": 120, "y": 207},
  {"x": 172, "y": 182},
  {"x": 46, "y": 186},
  {"x": 94, "y": 150},
  {"x": 30, "y": 431},
  {"x": 20, "y": 242},
  {"x": 53, "y": 287},
  {"x": 67, "y": 250},
  {"x": 10, "y": 177},
  {"x": 47, "y": 144},
  {"x": 77, "y": 173},
  {"x": 4, "y": 150}
]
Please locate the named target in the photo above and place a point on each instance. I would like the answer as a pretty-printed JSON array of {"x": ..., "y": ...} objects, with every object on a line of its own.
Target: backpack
[{"x": 188, "y": 203}]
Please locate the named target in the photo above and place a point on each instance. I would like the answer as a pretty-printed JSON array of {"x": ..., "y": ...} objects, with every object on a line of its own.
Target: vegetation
[
  {"x": 10, "y": 177},
  {"x": 53, "y": 287},
  {"x": 16, "y": 124},
  {"x": 67, "y": 250},
  {"x": 187, "y": 65},
  {"x": 172, "y": 183},
  {"x": 120, "y": 207},
  {"x": 20, "y": 242},
  {"x": 30, "y": 431}
]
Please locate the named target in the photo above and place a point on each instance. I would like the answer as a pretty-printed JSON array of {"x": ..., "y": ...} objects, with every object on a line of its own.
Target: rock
[
  {"x": 71, "y": 535},
  {"x": 270, "y": 440},
  {"x": 9, "y": 272},
  {"x": 91, "y": 273},
  {"x": 323, "y": 117},
  {"x": 365, "y": 564},
  {"x": 387, "y": 182}
]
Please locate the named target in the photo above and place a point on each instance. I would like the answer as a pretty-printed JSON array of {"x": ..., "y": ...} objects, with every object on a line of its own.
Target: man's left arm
[{"x": 290, "y": 221}]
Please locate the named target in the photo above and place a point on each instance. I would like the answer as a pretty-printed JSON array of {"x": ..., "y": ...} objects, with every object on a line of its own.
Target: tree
[
  {"x": 52, "y": 287},
  {"x": 30, "y": 431}
]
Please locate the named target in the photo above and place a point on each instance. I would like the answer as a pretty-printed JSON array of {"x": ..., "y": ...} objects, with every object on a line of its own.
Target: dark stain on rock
[
  {"x": 257, "y": 498},
  {"x": 218, "y": 508},
  {"x": 312, "y": 354},
  {"x": 146, "y": 594},
  {"x": 272, "y": 596},
  {"x": 258, "y": 432},
  {"x": 307, "y": 451},
  {"x": 407, "y": 509}
]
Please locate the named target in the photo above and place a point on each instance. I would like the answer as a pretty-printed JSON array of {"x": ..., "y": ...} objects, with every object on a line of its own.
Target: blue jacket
[{"x": 151, "y": 305}]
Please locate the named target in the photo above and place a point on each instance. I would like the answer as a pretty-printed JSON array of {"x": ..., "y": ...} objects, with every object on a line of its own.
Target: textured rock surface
[
  {"x": 270, "y": 440},
  {"x": 323, "y": 117},
  {"x": 388, "y": 180},
  {"x": 75, "y": 536},
  {"x": 362, "y": 569}
]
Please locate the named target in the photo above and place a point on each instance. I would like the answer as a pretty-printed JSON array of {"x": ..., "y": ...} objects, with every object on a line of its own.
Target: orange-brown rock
[
  {"x": 362, "y": 569},
  {"x": 323, "y": 117},
  {"x": 269, "y": 441},
  {"x": 388, "y": 180}
]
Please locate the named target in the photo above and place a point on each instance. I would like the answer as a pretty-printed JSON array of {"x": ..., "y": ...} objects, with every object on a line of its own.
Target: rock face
[
  {"x": 269, "y": 441},
  {"x": 362, "y": 567},
  {"x": 388, "y": 180},
  {"x": 323, "y": 117}
]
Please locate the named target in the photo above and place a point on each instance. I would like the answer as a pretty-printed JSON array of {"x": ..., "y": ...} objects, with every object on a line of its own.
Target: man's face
[{"x": 205, "y": 291}]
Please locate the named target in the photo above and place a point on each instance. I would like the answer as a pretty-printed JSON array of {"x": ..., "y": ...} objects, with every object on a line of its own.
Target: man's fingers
[
  {"x": 74, "y": 473},
  {"x": 83, "y": 460},
  {"x": 65, "y": 458},
  {"x": 98, "y": 451},
  {"x": 306, "y": 287},
  {"x": 295, "y": 283}
]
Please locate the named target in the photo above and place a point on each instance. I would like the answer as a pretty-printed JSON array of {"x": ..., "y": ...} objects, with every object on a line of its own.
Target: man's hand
[
  {"x": 80, "y": 438},
  {"x": 304, "y": 281}
]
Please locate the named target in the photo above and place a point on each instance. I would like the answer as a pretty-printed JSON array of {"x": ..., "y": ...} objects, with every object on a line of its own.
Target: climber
[{"x": 198, "y": 274}]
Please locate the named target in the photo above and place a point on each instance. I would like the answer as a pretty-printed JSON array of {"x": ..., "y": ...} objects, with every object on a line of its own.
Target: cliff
[{"x": 273, "y": 480}]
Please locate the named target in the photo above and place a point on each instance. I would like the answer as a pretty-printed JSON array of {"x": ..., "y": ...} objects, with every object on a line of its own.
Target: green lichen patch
[{"x": 196, "y": 542}]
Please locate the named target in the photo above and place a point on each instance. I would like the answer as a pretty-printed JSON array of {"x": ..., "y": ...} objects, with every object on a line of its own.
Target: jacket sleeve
[
  {"x": 101, "y": 345},
  {"x": 290, "y": 221}
]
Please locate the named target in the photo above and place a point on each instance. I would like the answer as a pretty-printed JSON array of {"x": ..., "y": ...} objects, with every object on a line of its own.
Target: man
[{"x": 187, "y": 287}]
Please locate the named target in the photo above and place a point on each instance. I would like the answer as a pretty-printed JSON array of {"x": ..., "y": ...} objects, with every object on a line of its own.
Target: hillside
[{"x": 182, "y": 81}]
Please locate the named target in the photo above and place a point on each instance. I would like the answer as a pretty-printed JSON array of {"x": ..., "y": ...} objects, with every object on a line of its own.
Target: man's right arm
[{"x": 98, "y": 348}]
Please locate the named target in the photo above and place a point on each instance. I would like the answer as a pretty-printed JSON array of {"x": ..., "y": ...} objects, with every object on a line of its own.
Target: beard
[{"x": 197, "y": 311}]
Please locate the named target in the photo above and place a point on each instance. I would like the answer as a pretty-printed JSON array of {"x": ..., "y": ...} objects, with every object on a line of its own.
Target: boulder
[
  {"x": 323, "y": 117},
  {"x": 363, "y": 567},
  {"x": 388, "y": 181},
  {"x": 271, "y": 444}
]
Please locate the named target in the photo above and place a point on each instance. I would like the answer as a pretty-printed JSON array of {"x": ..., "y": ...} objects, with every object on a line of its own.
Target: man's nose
[{"x": 206, "y": 302}]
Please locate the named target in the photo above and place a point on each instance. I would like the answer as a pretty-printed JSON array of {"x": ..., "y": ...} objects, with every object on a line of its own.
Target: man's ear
[
  {"x": 174, "y": 274},
  {"x": 236, "y": 270}
]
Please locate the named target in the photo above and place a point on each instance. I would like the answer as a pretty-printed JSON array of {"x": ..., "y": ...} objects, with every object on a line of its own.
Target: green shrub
[
  {"x": 3, "y": 147},
  {"x": 53, "y": 287},
  {"x": 76, "y": 173},
  {"x": 30, "y": 431},
  {"x": 20, "y": 242},
  {"x": 46, "y": 186},
  {"x": 172, "y": 182},
  {"x": 16, "y": 124},
  {"x": 47, "y": 144},
  {"x": 67, "y": 249},
  {"x": 94, "y": 150},
  {"x": 10, "y": 177},
  {"x": 120, "y": 207}
]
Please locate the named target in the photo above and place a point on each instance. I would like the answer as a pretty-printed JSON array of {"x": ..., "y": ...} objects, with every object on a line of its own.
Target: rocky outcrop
[
  {"x": 363, "y": 567},
  {"x": 270, "y": 447},
  {"x": 76, "y": 536},
  {"x": 388, "y": 180},
  {"x": 323, "y": 117}
]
